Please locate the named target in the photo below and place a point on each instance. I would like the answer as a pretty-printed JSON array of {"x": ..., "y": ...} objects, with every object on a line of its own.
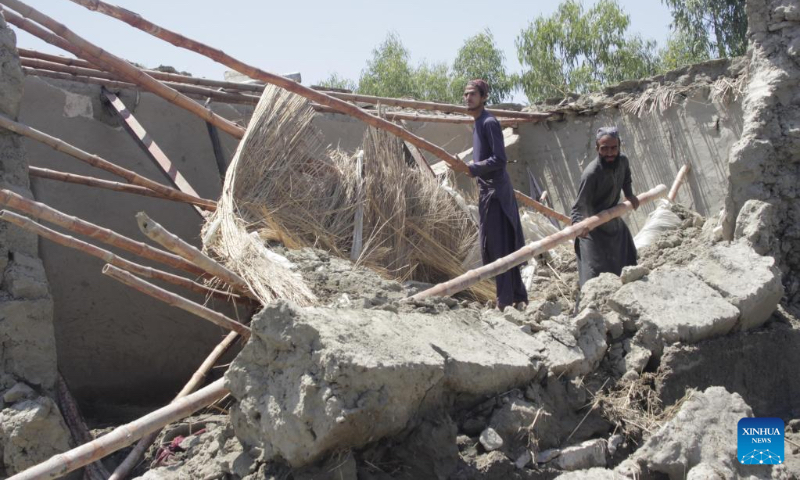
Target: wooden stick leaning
[
  {"x": 96, "y": 55},
  {"x": 105, "y": 235},
  {"x": 529, "y": 202},
  {"x": 124, "y": 468},
  {"x": 271, "y": 78},
  {"x": 527, "y": 252},
  {"x": 673, "y": 192},
  {"x": 95, "y": 182},
  {"x": 122, "y": 436},
  {"x": 99, "y": 162},
  {"x": 175, "y": 300},
  {"x": 89, "y": 249},
  {"x": 175, "y": 244}
]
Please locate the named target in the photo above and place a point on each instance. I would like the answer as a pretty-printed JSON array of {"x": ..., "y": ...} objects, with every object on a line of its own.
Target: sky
[{"x": 313, "y": 37}]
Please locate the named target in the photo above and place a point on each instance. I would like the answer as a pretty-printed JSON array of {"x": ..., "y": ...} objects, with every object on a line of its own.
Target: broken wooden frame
[
  {"x": 527, "y": 252},
  {"x": 125, "y": 435},
  {"x": 76, "y": 179}
]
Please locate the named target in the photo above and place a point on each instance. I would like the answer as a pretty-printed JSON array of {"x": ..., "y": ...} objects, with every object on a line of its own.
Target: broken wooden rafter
[
  {"x": 105, "y": 235},
  {"x": 80, "y": 47},
  {"x": 63, "y": 463},
  {"x": 123, "y": 469},
  {"x": 415, "y": 117},
  {"x": 529, "y": 251},
  {"x": 94, "y": 182},
  {"x": 271, "y": 78},
  {"x": 95, "y": 251},
  {"x": 673, "y": 192},
  {"x": 150, "y": 147},
  {"x": 176, "y": 245},
  {"x": 541, "y": 208},
  {"x": 99, "y": 162},
  {"x": 175, "y": 300}
]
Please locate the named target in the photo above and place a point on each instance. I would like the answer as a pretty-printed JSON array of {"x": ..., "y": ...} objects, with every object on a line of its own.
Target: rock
[
  {"x": 18, "y": 392},
  {"x": 573, "y": 346},
  {"x": 636, "y": 358},
  {"x": 491, "y": 440},
  {"x": 614, "y": 442},
  {"x": 31, "y": 432},
  {"x": 591, "y": 474},
  {"x": 633, "y": 273},
  {"x": 510, "y": 423},
  {"x": 678, "y": 303},
  {"x": 614, "y": 324},
  {"x": 311, "y": 380},
  {"x": 547, "y": 456},
  {"x": 755, "y": 224},
  {"x": 597, "y": 290},
  {"x": 523, "y": 460},
  {"x": 589, "y": 454},
  {"x": 703, "y": 431},
  {"x": 708, "y": 471},
  {"x": 748, "y": 281}
]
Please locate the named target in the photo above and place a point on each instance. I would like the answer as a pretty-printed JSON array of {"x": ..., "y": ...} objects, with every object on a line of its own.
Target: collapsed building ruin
[{"x": 348, "y": 378}]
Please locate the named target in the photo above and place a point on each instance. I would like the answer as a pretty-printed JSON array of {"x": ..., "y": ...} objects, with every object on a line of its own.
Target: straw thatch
[{"x": 283, "y": 186}]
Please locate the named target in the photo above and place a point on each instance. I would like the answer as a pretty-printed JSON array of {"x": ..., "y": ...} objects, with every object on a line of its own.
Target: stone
[
  {"x": 523, "y": 460},
  {"x": 314, "y": 379},
  {"x": 589, "y": 454},
  {"x": 703, "y": 431},
  {"x": 491, "y": 440},
  {"x": 708, "y": 471},
  {"x": 615, "y": 326},
  {"x": 755, "y": 224},
  {"x": 680, "y": 305},
  {"x": 573, "y": 347},
  {"x": 18, "y": 392},
  {"x": 633, "y": 272},
  {"x": 598, "y": 289},
  {"x": 749, "y": 281},
  {"x": 614, "y": 442},
  {"x": 547, "y": 456},
  {"x": 31, "y": 432},
  {"x": 511, "y": 421},
  {"x": 636, "y": 358}
]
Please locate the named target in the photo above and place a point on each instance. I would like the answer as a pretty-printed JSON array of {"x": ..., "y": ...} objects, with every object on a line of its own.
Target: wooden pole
[
  {"x": 99, "y": 162},
  {"x": 80, "y": 226},
  {"x": 89, "y": 249},
  {"x": 271, "y": 78},
  {"x": 94, "y": 182},
  {"x": 124, "y": 468},
  {"x": 150, "y": 147},
  {"x": 176, "y": 245},
  {"x": 673, "y": 192},
  {"x": 27, "y": 53},
  {"x": 96, "y": 55},
  {"x": 527, "y": 252},
  {"x": 416, "y": 117},
  {"x": 175, "y": 300},
  {"x": 528, "y": 201},
  {"x": 121, "y": 437}
]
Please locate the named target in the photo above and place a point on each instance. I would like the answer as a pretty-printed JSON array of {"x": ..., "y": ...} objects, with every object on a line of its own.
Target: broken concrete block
[
  {"x": 755, "y": 224},
  {"x": 31, "y": 432},
  {"x": 703, "y": 431},
  {"x": 18, "y": 392},
  {"x": 632, "y": 273},
  {"x": 573, "y": 346},
  {"x": 314, "y": 379},
  {"x": 491, "y": 440},
  {"x": 615, "y": 325},
  {"x": 747, "y": 280},
  {"x": 678, "y": 303},
  {"x": 597, "y": 290},
  {"x": 589, "y": 454}
]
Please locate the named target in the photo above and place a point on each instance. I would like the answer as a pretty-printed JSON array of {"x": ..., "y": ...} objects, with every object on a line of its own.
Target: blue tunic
[
  {"x": 500, "y": 227},
  {"x": 609, "y": 247}
]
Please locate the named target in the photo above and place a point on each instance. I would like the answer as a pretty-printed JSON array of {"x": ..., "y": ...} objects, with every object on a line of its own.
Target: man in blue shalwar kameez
[{"x": 500, "y": 227}]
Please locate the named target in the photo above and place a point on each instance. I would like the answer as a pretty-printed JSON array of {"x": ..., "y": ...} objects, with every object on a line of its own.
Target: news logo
[{"x": 760, "y": 441}]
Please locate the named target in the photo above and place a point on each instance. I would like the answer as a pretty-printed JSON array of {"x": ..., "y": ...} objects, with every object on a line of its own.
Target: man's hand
[
  {"x": 462, "y": 167},
  {"x": 584, "y": 233},
  {"x": 634, "y": 201}
]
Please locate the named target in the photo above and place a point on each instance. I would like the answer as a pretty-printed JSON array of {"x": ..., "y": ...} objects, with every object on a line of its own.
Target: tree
[
  {"x": 479, "y": 57},
  {"x": 334, "y": 80},
  {"x": 434, "y": 83},
  {"x": 717, "y": 28},
  {"x": 580, "y": 51},
  {"x": 388, "y": 73},
  {"x": 681, "y": 49}
]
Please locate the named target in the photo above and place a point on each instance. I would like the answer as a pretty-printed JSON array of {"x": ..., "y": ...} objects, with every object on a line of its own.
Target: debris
[
  {"x": 589, "y": 454},
  {"x": 491, "y": 440}
]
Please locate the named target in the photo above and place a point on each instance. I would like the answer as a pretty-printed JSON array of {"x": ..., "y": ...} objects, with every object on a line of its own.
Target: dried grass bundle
[
  {"x": 284, "y": 186},
  {"x": 654, "y": 100}
]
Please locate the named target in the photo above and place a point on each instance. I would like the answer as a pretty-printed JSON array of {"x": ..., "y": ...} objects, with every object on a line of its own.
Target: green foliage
[
  {"x": 682, "y": 50},
  {"x": 479, "y": 57},
  {"x": 388, "y": 73},
  {"x": 717, "y": 28},
  {"x": 578, "y": 51},
  {"x": 337, "y": 81},
  {"x": 434, "y": 83}
]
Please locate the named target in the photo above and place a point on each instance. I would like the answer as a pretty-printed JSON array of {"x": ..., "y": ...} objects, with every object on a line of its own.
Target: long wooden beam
[
  {"x": 150, "y": 147},
  {"x": 529, "y": 251},
  {"x": 673, "y": 192},
  {"x": 94, "y": 182},
  {"x": 99, "y": 162},
  {"x": 541, "y": 208},
  {"x": 63, "y": 463},
  {"x": 95, "y": 251},
  {"x": 82, "y": 48},
  {"x": 271, "y": 78},
  {"x": 105, "y": 235}
]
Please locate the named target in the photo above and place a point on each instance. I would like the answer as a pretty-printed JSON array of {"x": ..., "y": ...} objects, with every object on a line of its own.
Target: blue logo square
[{"x": 760, "y": 441}]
